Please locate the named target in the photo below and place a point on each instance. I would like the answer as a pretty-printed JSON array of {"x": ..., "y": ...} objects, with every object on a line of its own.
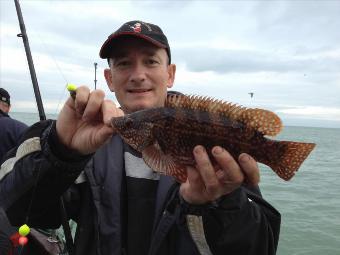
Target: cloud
[
  {"x": 316, "y": 112},
  {"x": 286, "y": 52},
  {"x": 245, "y": 61}
]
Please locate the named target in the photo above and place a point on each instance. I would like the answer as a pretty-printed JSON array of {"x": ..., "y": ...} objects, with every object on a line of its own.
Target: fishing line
[
  {"x": 62, "y": 95},
  {"x": 30, "y": 204},
  {"x": 33, "y": 195},
  {"x": 65, "y": 224}
]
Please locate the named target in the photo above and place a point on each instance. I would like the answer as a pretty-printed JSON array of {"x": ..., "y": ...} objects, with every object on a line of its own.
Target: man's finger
[
  {"x": 206, "y": 170},
  {"x": 250, "y": 168},
  {"x": 82, "y": 97},
  {"x": 231, "y": 170},
  {"x": 193, "y": 188},
  {"x": 109, "y": 111},
  {"x": 194, "y": 178},
  {"x": 104, "y": 133},
  {"x": 94, "y": 105}
]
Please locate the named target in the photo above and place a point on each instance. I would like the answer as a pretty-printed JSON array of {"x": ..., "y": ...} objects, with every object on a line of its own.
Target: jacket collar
[{"x": 3, "y": 114}]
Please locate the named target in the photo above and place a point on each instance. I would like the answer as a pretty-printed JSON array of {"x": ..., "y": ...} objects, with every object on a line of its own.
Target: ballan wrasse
[{"x": 167, "y": 135}]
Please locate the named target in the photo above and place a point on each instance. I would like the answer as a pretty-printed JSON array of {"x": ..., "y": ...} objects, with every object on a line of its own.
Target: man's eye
[
  {"x": 122, "y": 63},
  {"x": 152, "y": 61}
]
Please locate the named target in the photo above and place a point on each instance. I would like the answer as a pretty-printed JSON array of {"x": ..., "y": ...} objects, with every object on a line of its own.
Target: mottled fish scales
[{"x": 167, "y": 135}]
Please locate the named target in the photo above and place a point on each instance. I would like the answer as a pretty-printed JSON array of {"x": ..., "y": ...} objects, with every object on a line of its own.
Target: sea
[{"x": 309, "y": 203}]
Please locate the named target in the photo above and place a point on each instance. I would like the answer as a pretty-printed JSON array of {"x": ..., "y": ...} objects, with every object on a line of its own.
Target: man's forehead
[
  {"x": 125, "y": 46},
  {"x": 125, "y": 52}
]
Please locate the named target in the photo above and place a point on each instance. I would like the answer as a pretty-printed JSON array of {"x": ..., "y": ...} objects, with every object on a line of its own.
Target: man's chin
[{"x": 138, "y": 107}]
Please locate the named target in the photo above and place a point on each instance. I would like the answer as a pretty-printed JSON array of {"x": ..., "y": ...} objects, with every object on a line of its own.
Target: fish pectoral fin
[
  {"x": 163, "y": 163},
  {"x": 265, "y": 122}
]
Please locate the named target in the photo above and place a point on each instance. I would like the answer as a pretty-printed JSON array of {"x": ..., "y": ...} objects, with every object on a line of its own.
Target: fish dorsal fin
[
  {"x": 264, "y": 121},
  {"x": 154, "y": 157},
  {"x": 207, "y": 104}
]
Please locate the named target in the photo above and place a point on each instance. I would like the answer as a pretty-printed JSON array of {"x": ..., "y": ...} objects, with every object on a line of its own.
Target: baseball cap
[
  {"x": 147, "y": 31},
  {"x": 4, "y": 96}
]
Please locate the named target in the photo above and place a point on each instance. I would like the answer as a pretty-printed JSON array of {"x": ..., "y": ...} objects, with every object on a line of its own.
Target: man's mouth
[{"x": 138, "y": 90}]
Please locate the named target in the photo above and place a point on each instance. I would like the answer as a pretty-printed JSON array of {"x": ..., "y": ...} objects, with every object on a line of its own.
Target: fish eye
[{"x": 128, "y": 122}]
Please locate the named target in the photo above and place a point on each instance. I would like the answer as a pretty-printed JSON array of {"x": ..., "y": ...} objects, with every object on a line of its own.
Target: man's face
[
  {"x": 4, "y": 107},
  {"x": 139, "y": 74}
]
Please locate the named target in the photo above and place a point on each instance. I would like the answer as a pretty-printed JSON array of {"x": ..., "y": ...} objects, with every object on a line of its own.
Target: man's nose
[{"x": 138, "y": 73}]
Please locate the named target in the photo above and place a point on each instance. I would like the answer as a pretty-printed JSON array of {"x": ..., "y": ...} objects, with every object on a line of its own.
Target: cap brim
[{"x": 107, "y": 45}]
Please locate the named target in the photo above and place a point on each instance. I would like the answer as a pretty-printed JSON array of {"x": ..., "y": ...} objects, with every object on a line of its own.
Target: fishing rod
[
  {"x": 95, "y": 75},
  {"x": 42, "y": 116},
  {"x": 24, "y": 37}
]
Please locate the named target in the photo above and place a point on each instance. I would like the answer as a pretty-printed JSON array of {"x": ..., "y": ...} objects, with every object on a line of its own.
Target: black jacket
[
  {"x": 240, "y": 223},
  {"x": 10, "y": 132}
]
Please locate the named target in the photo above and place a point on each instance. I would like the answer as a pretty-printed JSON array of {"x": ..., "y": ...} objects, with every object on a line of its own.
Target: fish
[{"x": 166, "y": 136}]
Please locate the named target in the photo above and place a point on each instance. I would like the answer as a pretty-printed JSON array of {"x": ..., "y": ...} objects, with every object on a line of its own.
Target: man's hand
[
  {"x": 84, "y": 122},
  {"x": 205, "y": 184}
]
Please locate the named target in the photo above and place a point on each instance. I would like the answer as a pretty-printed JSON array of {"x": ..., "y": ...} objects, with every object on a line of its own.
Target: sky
[{"x": 285, "y": 52}]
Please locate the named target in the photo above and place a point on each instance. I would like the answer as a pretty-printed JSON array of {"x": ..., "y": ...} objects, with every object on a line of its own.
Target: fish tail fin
[{"x": 290, "y": 156}]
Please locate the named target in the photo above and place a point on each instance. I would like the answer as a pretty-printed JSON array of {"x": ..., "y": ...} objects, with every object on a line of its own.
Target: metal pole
[
  {"x": 24, "y": 37},
  {"x": 95, "y": 75}
]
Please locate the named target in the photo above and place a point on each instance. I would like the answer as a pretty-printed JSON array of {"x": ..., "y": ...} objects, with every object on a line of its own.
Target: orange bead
[{"x": 23, "y": 240}]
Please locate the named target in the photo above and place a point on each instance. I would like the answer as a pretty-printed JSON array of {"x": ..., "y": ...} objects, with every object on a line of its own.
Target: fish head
[{"x": 133, "y": 130}]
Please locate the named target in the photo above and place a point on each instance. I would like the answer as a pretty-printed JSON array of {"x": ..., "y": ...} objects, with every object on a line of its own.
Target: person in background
[
  {"x": 10, "y": 133},
  {"x": 10, "y": 129},
  {"x": 120, "y": 205}
]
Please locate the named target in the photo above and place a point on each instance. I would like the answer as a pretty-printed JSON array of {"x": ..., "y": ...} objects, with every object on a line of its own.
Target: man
[
  {"x": 10, "y": 133},
  {"x": 120, "y": 205},
  {"x": 10, "y": 129}
]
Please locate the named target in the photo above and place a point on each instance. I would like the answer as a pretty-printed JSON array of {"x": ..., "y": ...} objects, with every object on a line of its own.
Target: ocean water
[{"x": 309, "y": 203}]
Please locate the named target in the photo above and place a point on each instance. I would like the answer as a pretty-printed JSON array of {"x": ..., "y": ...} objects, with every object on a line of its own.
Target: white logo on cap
[{"x": 137, "y": 28}]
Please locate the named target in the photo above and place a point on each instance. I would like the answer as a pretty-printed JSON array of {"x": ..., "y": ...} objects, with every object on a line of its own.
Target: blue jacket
[{"x": 240, "y": 223}]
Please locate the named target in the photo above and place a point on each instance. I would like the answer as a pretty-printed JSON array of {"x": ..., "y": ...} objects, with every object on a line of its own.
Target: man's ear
[
  {"x": 108, "y": 78},
  {"x": 171, "y": 72}
]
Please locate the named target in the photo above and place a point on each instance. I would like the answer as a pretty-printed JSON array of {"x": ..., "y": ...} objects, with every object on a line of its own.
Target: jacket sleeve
[
  {"x": 239, "y": 223},
  {"x": 33, "y": 177},
  {"x": 242, "y": 223}
]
